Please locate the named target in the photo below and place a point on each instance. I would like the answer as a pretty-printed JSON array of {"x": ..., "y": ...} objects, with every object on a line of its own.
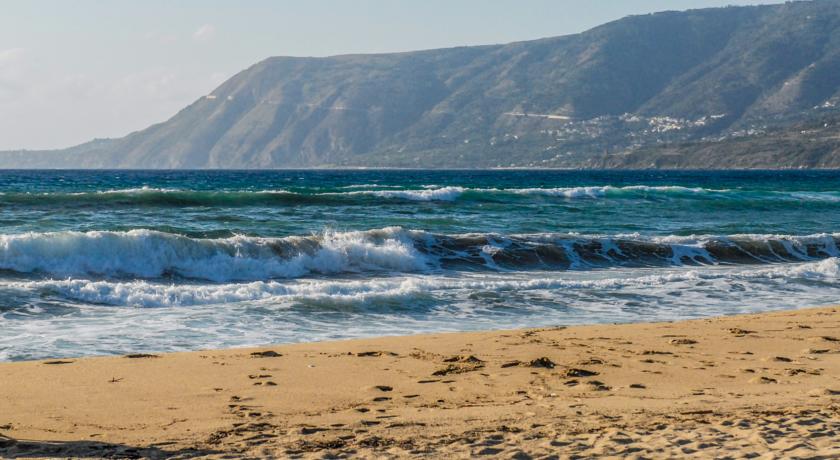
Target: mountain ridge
[{"x": 631, "y": 85}]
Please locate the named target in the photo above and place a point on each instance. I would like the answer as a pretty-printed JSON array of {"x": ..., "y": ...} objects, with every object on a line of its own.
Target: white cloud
[{"x": 204, "y": 33}]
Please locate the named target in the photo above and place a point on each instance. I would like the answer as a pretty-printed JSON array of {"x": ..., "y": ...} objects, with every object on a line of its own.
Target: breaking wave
[{"x": 148, "y": 254}]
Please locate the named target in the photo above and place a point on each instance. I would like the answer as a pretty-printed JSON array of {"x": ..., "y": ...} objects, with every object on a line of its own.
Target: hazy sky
[{"x": 71, "y": 71}]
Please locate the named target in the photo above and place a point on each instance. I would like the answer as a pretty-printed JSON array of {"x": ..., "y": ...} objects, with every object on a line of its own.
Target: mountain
[
  {"x": 811, "y": 144},
  {"x": 608, "y": 97}
]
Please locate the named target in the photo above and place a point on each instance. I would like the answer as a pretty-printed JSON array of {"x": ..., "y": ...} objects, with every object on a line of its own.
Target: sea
[{"x": 115, "y": 262}]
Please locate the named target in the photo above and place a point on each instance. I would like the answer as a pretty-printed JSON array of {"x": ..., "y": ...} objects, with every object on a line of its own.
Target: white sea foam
[
  {"x": 146, "y": 294},
  {"x": 136, "y": 191},
  {"x": 432, "y": 194},
  {"x": 152, "y": 294},
  {"x": 152, "y": 254},
  {"x": 606, "y": 190},
  {"x": 827, "y": 270},
  {"x": 831, "y": 197},
  {"x": 795, "y": 245},
  {"x": 76, "y": 317},
  {"x": 169, "y": 191},
  {"x": 363, "y": 186},
  {"x": 451, "y": 193}
]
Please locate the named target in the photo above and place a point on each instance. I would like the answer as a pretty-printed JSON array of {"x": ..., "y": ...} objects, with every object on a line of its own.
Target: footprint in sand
[
  {"x": 141, "y": 356},
  {"x": 307, "y": 430},
  {"x": 823, "y": 392},
  {"x": 655, "y": 352},
  {"x": 461, "y": 368},
  {"x": 463, "y": 359},
  {"x": 574, "y": 372},
  {"x": 543, "y": 362},
  {"x": 460, "y": 365},
  {"x": 266, "y": 354},
  {"x": 596, "y": 385},
  {"x": 804, "y": 371},
  {"x": 737, "y": 331},
  {"x": 815, "y": 351},
  {"x": 373, "y": 354}
]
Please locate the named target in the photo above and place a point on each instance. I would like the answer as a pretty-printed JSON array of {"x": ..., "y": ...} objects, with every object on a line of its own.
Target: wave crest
[
  {"x": 151, "y": 254},
  {"x": 365, "y": 194}
]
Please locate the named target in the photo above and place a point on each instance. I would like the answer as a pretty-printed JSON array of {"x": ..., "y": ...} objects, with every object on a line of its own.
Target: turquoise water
[{"x": 128, "y": 261}]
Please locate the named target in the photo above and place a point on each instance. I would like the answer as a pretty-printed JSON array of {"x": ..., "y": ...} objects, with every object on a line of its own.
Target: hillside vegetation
[{"x": 707, "y": 83}]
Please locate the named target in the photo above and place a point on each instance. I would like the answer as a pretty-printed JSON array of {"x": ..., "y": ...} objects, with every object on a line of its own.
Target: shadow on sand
[{"x": 20, "y": 448}]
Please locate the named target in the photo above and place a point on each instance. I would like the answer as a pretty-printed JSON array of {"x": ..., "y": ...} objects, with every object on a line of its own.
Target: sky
[{"x": 72, "y": 71}]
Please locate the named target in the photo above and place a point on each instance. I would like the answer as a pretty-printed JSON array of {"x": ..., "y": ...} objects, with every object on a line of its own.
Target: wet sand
[{"x": 737, "y": 387}]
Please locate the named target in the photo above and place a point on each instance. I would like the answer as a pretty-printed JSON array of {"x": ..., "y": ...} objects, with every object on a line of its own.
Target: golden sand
[{"x": 740, "y": 386}]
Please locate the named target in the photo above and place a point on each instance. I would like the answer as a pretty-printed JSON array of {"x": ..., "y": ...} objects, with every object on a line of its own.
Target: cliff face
[{"x": 564, "y": 101}]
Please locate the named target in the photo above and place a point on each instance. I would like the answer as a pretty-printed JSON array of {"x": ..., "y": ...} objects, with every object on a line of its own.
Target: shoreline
[{"x": 733, "y": 385}]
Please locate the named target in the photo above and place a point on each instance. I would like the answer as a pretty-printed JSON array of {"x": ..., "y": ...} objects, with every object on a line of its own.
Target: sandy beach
[{"x": 731, "y": 387}]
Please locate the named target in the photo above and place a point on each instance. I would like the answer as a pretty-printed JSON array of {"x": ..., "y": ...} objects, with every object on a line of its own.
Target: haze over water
[{"x": 118, "y": 261}]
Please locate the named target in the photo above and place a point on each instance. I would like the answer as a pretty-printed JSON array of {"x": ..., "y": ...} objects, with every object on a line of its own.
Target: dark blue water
[{"x": 119, "y": 261}]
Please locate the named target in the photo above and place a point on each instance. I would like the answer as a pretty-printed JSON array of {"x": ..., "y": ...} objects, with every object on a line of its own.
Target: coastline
[{"x": 759, "y": 384}]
